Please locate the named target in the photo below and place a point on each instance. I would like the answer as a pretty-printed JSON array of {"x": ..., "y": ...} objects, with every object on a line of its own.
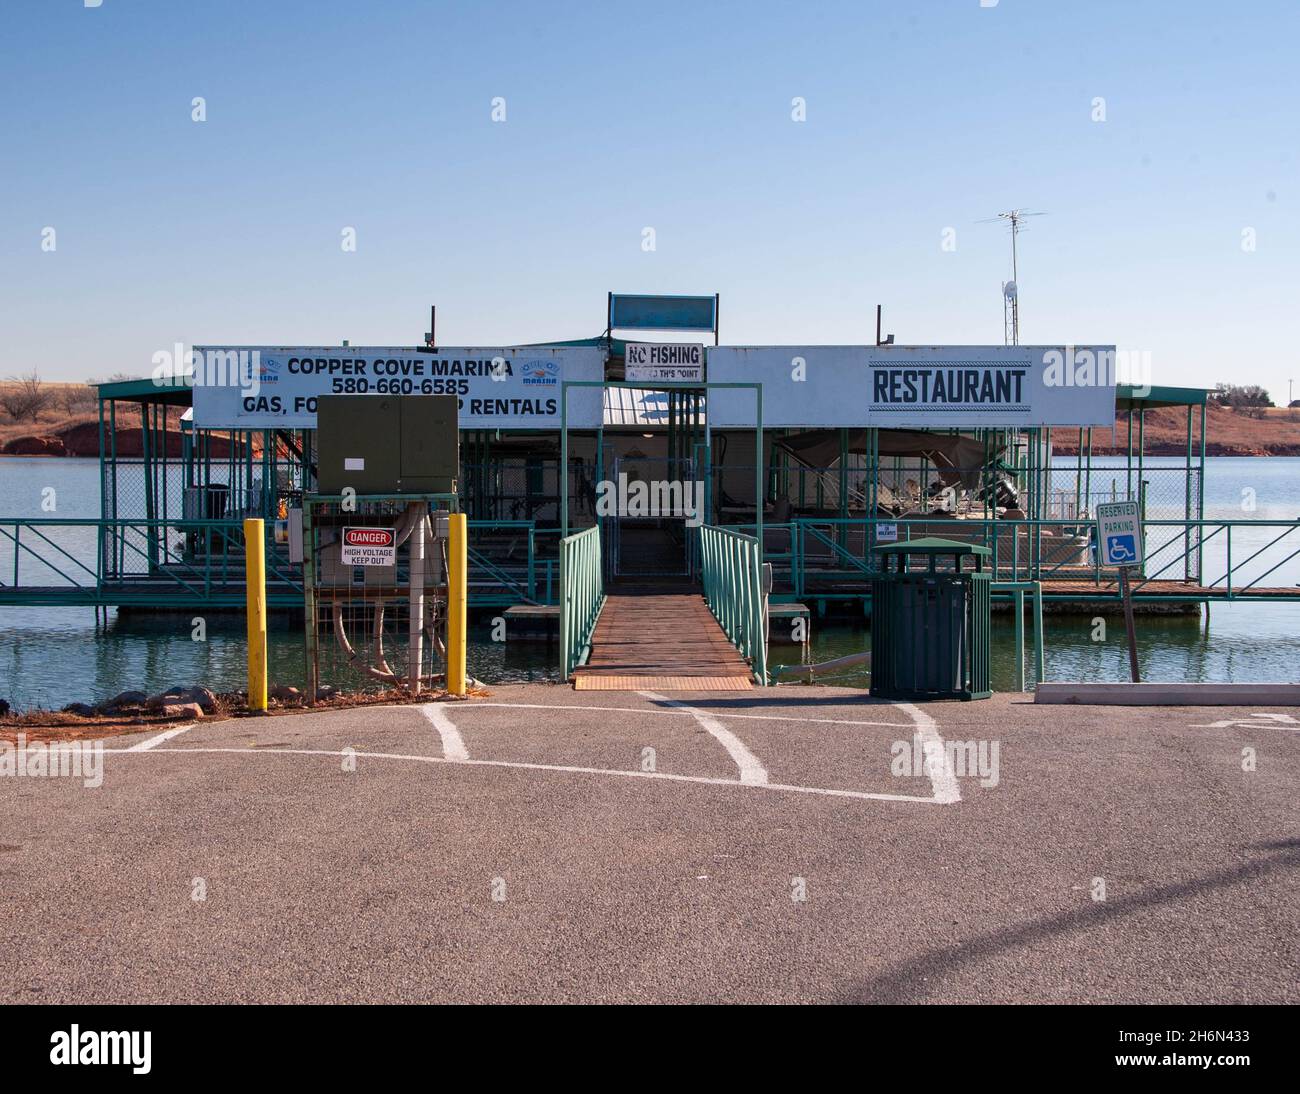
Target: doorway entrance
[{"x": 649, "y": 536}]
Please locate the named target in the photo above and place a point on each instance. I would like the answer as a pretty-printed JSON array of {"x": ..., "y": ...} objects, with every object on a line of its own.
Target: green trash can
[{"x": 930, "y": 621}]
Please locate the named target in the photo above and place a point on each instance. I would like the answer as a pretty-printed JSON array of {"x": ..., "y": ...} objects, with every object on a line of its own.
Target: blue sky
[{"x": 921, "y": 116}]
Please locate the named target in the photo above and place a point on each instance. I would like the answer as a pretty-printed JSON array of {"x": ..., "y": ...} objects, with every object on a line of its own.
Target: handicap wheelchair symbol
[{"x": 1123, "y": 549}]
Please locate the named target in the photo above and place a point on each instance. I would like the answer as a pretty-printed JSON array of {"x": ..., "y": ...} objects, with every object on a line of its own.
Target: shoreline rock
[
  {"x": 37, "y": 445},
  {"x": 200, "y": 697},
  {"x": 123, "y": 700}
]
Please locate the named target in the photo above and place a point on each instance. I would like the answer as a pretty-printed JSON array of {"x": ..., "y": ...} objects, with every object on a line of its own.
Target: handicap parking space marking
[
  {"x": 943, "y": 781},
  {"x": 1267, "y": 721},
  {"x": 628, "y": 773},
  {"x": 752, "y": 774}
]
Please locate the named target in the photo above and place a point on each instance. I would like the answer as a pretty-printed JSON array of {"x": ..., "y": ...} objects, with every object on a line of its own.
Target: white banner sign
[
  {"x": 276, "y": 387},
  {"x": 906, "y": 387},
  {"x": 664, "y": 361}
]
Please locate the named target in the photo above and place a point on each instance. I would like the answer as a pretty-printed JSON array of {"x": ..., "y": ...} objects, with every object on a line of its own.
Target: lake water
[{"x": 49, "y": 657}]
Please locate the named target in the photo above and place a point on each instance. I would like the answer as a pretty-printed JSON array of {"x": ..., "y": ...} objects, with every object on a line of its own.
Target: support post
[
  {"x": 564, "y": 453},
  {"x": 1018, "y": 606},
  {"x": 1040, "y": 668},
  {"x": 419, "y": 512},
  {"x": 1200, "y": 497},
  {"x": 1129, "y": 625},
  {"x": 150, "y": 505},
  {"x": 255, "y": 582},
  {"x": 457, "y": 595},
  {"x": 309, "y": 594},
  {"x": 761, "y": 452}
]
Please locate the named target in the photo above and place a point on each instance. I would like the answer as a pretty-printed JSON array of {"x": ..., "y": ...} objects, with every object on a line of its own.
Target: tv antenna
[{"x": 1011, "y": 289}]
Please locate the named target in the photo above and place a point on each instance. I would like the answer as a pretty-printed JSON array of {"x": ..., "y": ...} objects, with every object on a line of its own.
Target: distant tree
[
  {"x": 24, "y": 398},
  {"x": 1240, "y": 395},
  {"x": 78, "y": 399}
]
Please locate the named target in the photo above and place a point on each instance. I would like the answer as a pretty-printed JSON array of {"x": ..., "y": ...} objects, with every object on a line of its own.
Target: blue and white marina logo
[
  {"x": 269, "y": 373},
  {"x": 541, "y": 371}
]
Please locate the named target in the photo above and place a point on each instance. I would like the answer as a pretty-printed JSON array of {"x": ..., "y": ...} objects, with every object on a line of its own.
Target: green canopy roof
[
  {"x": 171, "y": 391},
  {"x": 1133, "y": 397}
]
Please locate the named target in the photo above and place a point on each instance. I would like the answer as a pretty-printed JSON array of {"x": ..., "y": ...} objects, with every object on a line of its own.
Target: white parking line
[
  {"x": 631, "y": 773},
  {"x": 154, "y": 742},
  {"x": 752, "y": 772},
  {"x": 942, "y": 779},
  {"x": 453, "y": 744}
]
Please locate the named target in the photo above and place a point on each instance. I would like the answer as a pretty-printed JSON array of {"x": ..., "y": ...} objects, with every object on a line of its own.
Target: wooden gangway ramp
[{"x": 660, "y": 641}]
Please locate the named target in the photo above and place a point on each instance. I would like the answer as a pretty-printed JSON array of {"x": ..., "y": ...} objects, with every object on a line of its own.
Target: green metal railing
[
  {"x": 195, "y": 562},
  {"x": 509, "y": 573},
  {"x": 1017, "y": 590},
  {"x": 165, "y": 563},
  {"x": 582, "y": 595},
  {"x": 828, "y": 558},
  {"x": 200, "y": 562},
  {"x": 732, "y": 569}
]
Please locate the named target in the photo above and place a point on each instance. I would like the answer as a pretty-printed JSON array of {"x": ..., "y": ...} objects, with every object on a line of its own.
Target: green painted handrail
[
  {"x": 582, "y": 595},
  {"x": 732, "y": 568},
  {"x": 1161, "y": 562},
  {"x": 1018, "y": 589}
]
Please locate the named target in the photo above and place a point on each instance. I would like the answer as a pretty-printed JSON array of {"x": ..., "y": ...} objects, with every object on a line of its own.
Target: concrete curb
[{"x": 1171, "y": 695}]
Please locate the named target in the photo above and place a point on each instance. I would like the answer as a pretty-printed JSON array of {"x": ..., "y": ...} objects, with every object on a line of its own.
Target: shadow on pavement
[{"x": 907, "y": 982}]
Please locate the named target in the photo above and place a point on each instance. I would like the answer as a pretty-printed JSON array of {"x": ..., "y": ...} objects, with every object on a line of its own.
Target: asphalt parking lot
[{"x": 792, "y": 845}]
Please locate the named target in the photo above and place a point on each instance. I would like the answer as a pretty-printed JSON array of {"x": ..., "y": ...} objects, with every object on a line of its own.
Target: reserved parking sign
[{"x": 1119, "y": 529}]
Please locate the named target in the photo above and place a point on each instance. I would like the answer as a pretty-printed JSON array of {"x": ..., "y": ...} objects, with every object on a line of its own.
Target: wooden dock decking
[{"x": 660, "y": 641}]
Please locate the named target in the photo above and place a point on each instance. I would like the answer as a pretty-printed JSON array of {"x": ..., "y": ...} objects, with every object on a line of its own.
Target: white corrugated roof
[{"x": 636, "y": 407}]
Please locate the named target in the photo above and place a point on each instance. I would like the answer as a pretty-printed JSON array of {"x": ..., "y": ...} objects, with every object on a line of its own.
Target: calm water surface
[{"x": 49, "y": 657}]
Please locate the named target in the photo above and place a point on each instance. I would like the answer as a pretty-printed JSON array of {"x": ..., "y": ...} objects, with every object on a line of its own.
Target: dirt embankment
[
  {"x": 69, "y": 426},
  {"x": 1271, "y": 432},
  {"x": 81, "y": 438}
]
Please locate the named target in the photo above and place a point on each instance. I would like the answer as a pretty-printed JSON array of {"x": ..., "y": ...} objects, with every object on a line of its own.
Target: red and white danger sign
[{"x": 369, "y": 547}]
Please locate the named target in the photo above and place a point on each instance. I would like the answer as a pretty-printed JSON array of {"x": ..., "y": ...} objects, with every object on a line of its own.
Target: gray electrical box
[{"x": 387, "y": 444}]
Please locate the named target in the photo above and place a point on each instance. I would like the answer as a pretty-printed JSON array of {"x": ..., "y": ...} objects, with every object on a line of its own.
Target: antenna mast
[{"x": 1011, "y": 290}]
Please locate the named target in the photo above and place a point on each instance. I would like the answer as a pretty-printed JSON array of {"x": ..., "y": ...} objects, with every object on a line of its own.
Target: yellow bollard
[
  {"x": 255, "y": 579},
  {"x": 457, "y": 597}
]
